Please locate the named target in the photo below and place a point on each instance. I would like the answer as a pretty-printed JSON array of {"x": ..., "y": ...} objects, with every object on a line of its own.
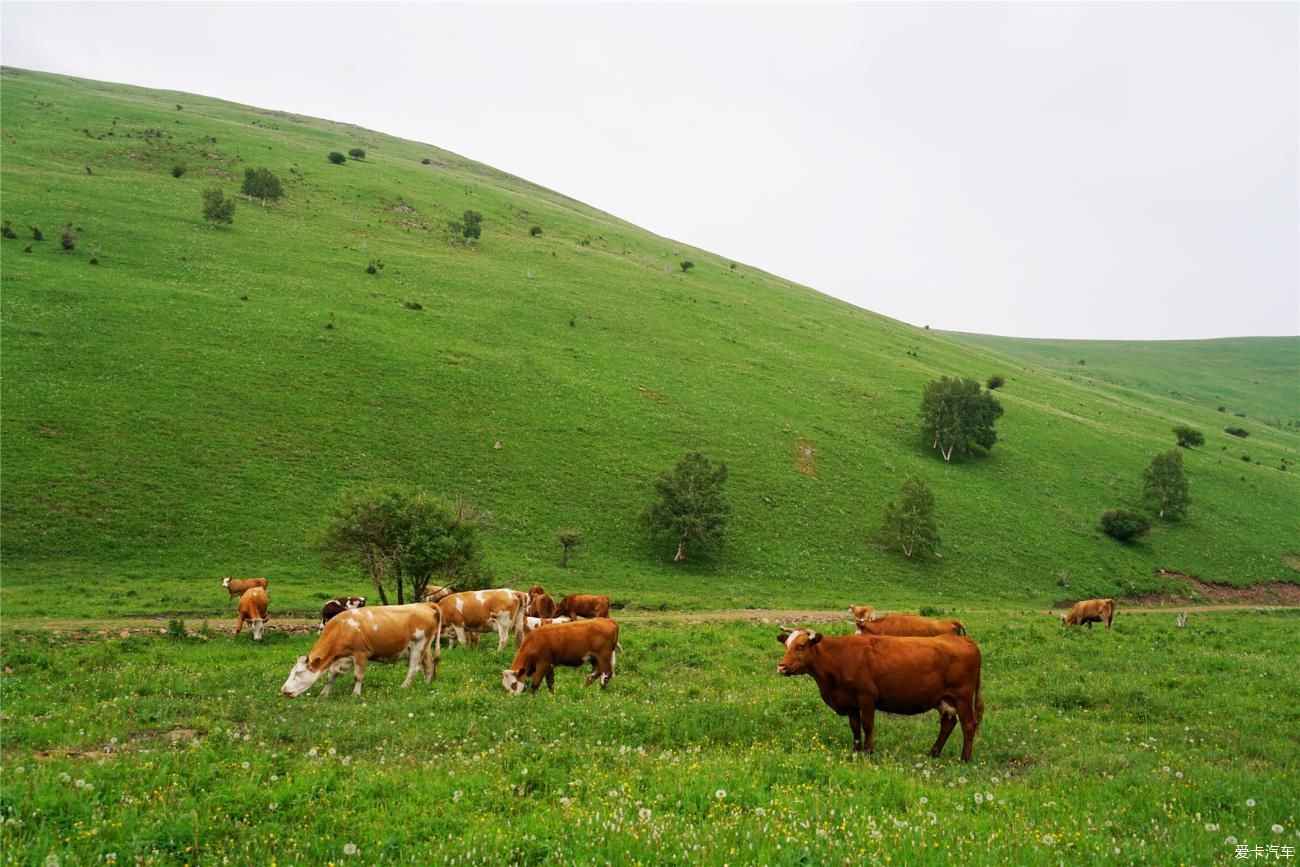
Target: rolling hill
[{"x": 191, "y": 404}]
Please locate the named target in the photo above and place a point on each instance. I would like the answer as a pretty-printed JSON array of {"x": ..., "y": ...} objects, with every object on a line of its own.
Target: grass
[
  {"x": 189, "y": 407},
  {"x": 1146, "y": 744}
]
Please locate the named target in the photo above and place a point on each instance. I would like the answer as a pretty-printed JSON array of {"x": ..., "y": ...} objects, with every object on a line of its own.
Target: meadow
[{"x": 1148, "y": 744}]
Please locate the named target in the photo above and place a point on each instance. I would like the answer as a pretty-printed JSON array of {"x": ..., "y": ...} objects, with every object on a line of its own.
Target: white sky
[{"x": 1116, "y": 170}]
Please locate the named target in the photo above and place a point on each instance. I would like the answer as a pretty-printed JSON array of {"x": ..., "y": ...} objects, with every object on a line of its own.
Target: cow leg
[
  {"x": 359, "y": 674},
  {"x": 333, "y": 671},
  {"x": 855, "y": 723},
  {"x": 595, "y": 672},
  {"x": 503, "y": 634},
  {"x": 947, "y": 721},
  {"x": 868, "y": 727},
  {"x": 966, "y": 711},
  {"x": 550, "y": 680},
  {"x": 240, "y": 625}
]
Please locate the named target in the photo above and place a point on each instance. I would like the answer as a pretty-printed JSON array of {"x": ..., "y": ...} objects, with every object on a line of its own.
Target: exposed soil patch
[
  {"x": 1198, "y": 592},
  {"x": 805, "y": 457}
]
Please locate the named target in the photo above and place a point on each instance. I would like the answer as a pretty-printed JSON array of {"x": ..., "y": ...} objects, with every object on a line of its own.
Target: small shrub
[
  {"x": 7, "y": 230},
  {"x": 930, "y": 611},
  {"x": 36, "y": 234},
  {"x": 1124, "y": 525},
  {"x": 412, "y": 305},
  {"x": 94, "y": 257},
  {"x": 1246, "y": 458},
  {"x": 89, "y": 170},
  {"x": 687, "y": 265},
  {"x": 329, "y": 326},
  {"x": 733, "y": 266},
  {"x": 1082, "y": 361},
  {"x": 1223, "y": 409},
  {"x": 68, "y": 237},
  {"x": 535, "y": 231},
  {"x": 1239, "y": 414},
  {"x": 243, "y": 297},
  {"x": 995, "y": 381},
  {"x": 374, "y": 267},
  {"x": 1237, "y": 432},
  {"x": 176, "y": 629},
  {"x": 1189, "y": 436},
  {"x": 27, "y": 249},
  {"x": 357, "y": 154},
  {"x": 216, "y": 207},
  {"x": 472, "y": 224},
  {"x": 337, "y": 158},
  {"x": 426, "y": 162}
]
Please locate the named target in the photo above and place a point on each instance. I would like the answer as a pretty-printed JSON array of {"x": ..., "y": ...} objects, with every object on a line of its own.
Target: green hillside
[{"x": 190, "y": 406}]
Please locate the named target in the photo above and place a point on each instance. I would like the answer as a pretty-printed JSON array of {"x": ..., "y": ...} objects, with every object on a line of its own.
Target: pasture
[{"x": 1146, "y": 744}]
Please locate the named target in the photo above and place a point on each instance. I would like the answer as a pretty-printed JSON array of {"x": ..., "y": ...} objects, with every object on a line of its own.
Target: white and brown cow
[
  {"x": 337, "y": 606},
  {"x": 479, "y": 610},
  {"x": 385, "y": 634},
  {"x": 571, "y": 644},
  {"x": 237, "y": 586},
  {"x": 252, "y": 609}
]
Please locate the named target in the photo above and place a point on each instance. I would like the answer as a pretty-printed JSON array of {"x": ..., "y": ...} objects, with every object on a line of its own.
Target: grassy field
[
  {"x": 1147, "y": 744},
  {"x": 189, "y": 407}
]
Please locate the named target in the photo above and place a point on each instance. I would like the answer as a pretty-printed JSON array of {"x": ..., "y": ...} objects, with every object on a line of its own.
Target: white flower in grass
[
  {"x": 1277, "y": 829},
  {"x": 312, "y": 753},
  {"x": 979, "y": 798},
  {"x": 1231, "y": 841},
  {"x": 1210, "y": 826},
  {"x": 988, "y": 796},
  {"x": 564, "y": 802},
  {"x": 245, "y": 765},
  {"x": 350, "y": 849},
  {"x": 1250, "y": 802},
  {"x": 65, "y": 777},
  {"x": 924, "y": 799},
  {"x": 1049, "y": 840},
  {"x": 720, "y": 794},
  {"x": 760, "y": 811},
  {"x": 644, "y": 814}
]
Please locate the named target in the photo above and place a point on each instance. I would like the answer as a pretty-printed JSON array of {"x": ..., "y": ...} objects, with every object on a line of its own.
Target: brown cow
[
  {"x": 1090, "y": 611},
  {"x": 355, "y": 637},
  {"x": 475, "y": 610},
  {"x": 571, "y": 644},
  {"x": 252, "y": 608},
  {"x": 581, "y": 605},
  {"x": 907, "y": 624},
  {"x": 540, "y": 603},
  {"x": 860, "y": 674},
  {"x": 237, "y": 586}
]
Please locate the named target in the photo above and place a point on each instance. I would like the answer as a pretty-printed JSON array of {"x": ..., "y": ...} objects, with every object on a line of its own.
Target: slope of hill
[{"x": 189, "y": 407}]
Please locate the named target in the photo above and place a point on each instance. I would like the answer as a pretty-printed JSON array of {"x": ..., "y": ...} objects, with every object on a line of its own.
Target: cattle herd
[{"x": 896, "y": 663}]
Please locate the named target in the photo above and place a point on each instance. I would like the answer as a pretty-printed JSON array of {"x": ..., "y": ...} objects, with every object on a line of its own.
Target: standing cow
[
  {"x": 1090, "y": 611},
  {"x": 571, "y": 644},
  {"x": 384, "y": 634},
  {"x": 907, "y": 624},
  {"x": 237, "y": 586},
  {"x": 577, "y": 605},
  {"x": 475, "y": 610},
  {"x": 860, "y": 674},
  {"x": 252, "y": 609},
  {"x": 540, "y": 603},
  {"x": 337, "y": 606}
]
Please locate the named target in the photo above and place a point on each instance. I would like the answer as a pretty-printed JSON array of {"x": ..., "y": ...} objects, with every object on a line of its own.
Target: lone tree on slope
[
  {"x": 1165, "y": 485},
  {"x": 261, "y": 184},
  {"x": 957, "y": 415},
  {"x": 691, "y": 509},
  {"x": 909, "y": 524},
  {"x": 217, "y": 208}
]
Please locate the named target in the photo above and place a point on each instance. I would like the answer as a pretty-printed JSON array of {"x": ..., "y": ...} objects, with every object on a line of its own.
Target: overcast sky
[{"x": 1032, "y": 169}]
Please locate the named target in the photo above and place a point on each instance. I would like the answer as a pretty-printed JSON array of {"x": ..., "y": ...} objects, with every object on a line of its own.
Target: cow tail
[
  {"x": 961, "y": 630},
  {"x": 520, "y": 614},
  {"x": 979, "y": 703}
]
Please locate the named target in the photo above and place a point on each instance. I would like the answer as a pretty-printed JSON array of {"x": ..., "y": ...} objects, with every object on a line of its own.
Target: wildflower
[
  {"x": 720, "y": 794},
  {"x": 1049, "y": 840},
  {"x": 80, "y": 784},
  {"x": 274, "y": 777},
  {"x": 924, "y": 799},
  {"x": 1277, "y": 829},
  {"x": 311, "y": 753},
  {"x": 1178, "y": 774},
  {"x": 644, "y": 813},
  {"x": 1166, "y": 769},
  {"x": 51, "y": 860},
  {"x": 760, "y": 811},
  {"x": 65, "y": 777},
  {"x": 333, "y": 751},
  {"x": 457, "y": 795},
  {"x": 988, "y": 796},
  {"x": 1250, "y": 802},
  {"x": 565, "y": 802},
  {"x": 979, "y": 798},
  {"x": 1210, "y": 826},
  {"x": 245, "y": 765},
  {"x": 350, "y": 849},
  {"x": 1231, "y": 841}
]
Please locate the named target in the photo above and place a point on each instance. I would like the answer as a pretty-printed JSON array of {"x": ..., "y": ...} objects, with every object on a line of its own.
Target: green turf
[{"x": 190, "y": 407}]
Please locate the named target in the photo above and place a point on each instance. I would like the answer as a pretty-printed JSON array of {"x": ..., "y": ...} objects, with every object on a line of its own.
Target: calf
[
  {"x": 540, "y": 603},
  {"x": 571, "y": 644},
  {"x": 581, "y": 605},
  {"x": 1090, "y": 611},
  {"x": 237, "y": 586},
  {"x": 355, "y": 637},
  {"x": 907, "y": 624},
  {"x": 502, "y": 610},
  {"x": 335, "y": 607},
  {"x": 860, "y": 674},
  {"x": 252, "y": 608}
]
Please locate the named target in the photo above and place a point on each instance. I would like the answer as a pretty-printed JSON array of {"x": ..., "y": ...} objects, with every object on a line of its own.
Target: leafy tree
[
  {"x": 1124, "y": 525},
  {"x": 472, "y": 224},
  {"x": 909, "y": 524},
  {"x": 1166, "y": 486},
  {"x": 568, "y": 538},
  {"x": 406, "y": 539},
  {"x": 357, "y": 154},
  {"x": 1237, "y": 432},
  {"x": 995, "y": 381},
  {"x": 178, "y": 170},
  {"x": 337, "y": 158},
  {"x": 692, "y": 509},
  {"x": 217, "y": 208},
  {"x": 535, "y": 231},
  {"x": 1189, "y": 436},
  {"x": 261, "y": 184},
  {"x": 687, "y": 265},
  {"x": 957, "y": 414}
]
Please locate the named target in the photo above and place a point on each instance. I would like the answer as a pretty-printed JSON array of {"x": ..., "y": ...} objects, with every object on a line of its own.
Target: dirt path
[{"x": 124, "y": 627}]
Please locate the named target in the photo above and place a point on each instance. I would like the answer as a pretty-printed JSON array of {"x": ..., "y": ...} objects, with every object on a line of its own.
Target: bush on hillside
[
  {"x": 472, "y": 224},
  {"x": 687, "y": 265},
  {"x": 1237, "y": 431},
  {"x": 426, "y": 162},
  {"x": 374, "y": 267},
  {"x": 357, "y": 154},
  {"x": 692, "y": 509},
  {"x": 1124, "y": 525},
  {"x": 956, "y": 414},
  {"x": 337, "y": 158},
  {"x": 36, "y": 234},
  {"x": 7, "y": 230},
  {"x": 217, "y": 208},
  {"x": 1165, "y": 485},
  {"x": 909, "y": 525},
  {"x": 68, "y": 238},
  {"x": 261, "y": 184},
  {"x": 1189, "y": 436},
  {"x": 995, "y": 381},
  {"x": 535, "y": 231},
  {"x": 406, "y": 539},
  {"x": 178, "y": 170}
]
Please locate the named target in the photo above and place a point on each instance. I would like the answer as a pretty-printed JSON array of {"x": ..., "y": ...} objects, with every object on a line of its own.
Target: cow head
[
  {"x": 797, "y": 646},
  {"x": 225, "y": 582},
  {"x": 355, "y": 602},
  {"x": 513, "y": 681},
  {"x": 300, "y": 679},
  {"x": 257, "y": 629},
  {"x": 535, "y": 590}
]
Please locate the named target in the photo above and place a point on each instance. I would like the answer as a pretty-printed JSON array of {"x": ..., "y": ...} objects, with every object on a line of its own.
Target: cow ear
[
  {"x": 814, "y": 638},
  {"x": 783, "y": 637}
]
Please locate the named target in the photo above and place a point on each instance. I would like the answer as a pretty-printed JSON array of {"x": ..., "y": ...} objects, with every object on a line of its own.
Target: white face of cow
[
  {"x": 300, "y": 679},
  {"x": 356, "y": 602},
  {"x": 257, "y": 629},
  {"x": 225, "y": 582},
  {"x": 514, "y": 684}
]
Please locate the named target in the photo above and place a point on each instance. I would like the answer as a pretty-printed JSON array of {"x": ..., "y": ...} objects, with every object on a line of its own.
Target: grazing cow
[
  {"x": 335, "y": 607},
  {"x": 571, "y": 644},
  {"x": 860, "y": 674},
  {"x": 581, "y": 605},
  {"x": 531, "y": 623},
  {"x": 252, "y": 608},
  {"x": 502, "y": 610},
  {"x": 237, "y": 586},
  {"x": 1090, "y": 611},
  {"x": 907, "y": 624},
  {"x": 384, "y": 634},
  {"x": 540, "y": 603}
]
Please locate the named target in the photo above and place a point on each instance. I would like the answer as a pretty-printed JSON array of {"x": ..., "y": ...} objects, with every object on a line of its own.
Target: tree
[
  {"x": 997, "y": 380},
  {"x": 909, "y": 524},
  {"x": 337, "y": 158},
  {"x": 1166, "y": 486},
  {"x": 1124, "y": 525},
  {"x": 957, "y": 414},
  {"x": 357, "y": 154},
  {"x": 261, "y": 184},
  {"x": 568, "y": 538},
  {"x": 1189, "y": 436},
  {"x": 687, "y": 265},
  {"x": 405, "y": 539},
  {"x": 692, "y": 509},
  {"x": 217, "y": 208},
  {"x": 472, "y": 224}
]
